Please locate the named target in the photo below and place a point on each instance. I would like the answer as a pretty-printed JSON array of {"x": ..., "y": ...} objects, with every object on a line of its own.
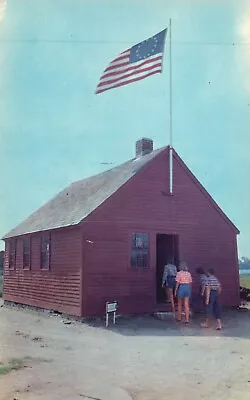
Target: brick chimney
[{"x": 144, "y": 146}]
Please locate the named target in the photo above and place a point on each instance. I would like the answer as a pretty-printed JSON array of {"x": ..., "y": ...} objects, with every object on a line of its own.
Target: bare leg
[
  {"x": 179, "y": 309},
  {"x": 166, "y": 293},
  {"x": 219, "y": 325},
  {"x": 171, "y": 299},
  {"x": 186, "y": 307},
  {"x": 217, "y": 312},
  {"x": 206, "y": 323}
]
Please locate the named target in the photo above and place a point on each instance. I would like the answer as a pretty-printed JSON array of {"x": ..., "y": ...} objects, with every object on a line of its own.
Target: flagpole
[{"x": 170, "y": 112}]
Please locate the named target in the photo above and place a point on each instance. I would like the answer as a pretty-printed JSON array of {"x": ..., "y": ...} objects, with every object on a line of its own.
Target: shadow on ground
[{"x": 236, "y": 324}]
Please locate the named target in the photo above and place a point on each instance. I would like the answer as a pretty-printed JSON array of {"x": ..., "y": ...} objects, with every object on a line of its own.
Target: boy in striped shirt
[{"x": 212, "y": 299}]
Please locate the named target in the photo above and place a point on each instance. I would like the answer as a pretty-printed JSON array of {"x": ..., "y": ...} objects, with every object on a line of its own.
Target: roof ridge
[
  {"x": 102, "y": 173},
  {"x": 80, "y": 198},
  {"x": 117, "y": 166}
]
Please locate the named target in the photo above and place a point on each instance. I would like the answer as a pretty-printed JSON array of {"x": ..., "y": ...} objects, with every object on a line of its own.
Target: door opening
[{"x": 167, "y": 249}]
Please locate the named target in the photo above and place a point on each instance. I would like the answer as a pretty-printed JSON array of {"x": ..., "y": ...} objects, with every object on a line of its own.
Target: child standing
[
  {"x": 212, "y": 300},
  {"x": 183, "y": 291},
  {"x": 168, "y": 282}
]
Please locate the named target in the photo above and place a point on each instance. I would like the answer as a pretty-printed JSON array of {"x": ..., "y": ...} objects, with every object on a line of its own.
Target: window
[
  {"x": 140, "y": 250},
  {"x": 12, "y": 253},
  {"x": 26, "y": 253},
  {"x": 45, "y": 252}
]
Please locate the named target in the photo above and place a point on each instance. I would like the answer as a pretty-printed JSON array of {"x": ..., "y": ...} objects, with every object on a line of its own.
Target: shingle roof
[{"x": 81, "y": 198}]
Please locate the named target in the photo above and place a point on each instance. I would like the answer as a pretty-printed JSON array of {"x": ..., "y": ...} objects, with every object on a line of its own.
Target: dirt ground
[{"x": 140, "y": 358}]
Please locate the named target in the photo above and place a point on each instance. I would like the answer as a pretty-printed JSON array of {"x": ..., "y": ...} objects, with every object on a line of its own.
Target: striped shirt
[
  {"x": 183, "y": 277},
  {"x": 169, "y": 270},
  {"x": 203, "y": 279},
  {"x": 213, "y": 282}
]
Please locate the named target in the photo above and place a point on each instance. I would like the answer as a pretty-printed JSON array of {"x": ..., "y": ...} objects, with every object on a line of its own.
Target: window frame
[
  {"x": 12, "y": 254},
  {"x": 139, "y": 252},
  {"x": 46, "y": 267},
  {"x": 27, "y": 266}
]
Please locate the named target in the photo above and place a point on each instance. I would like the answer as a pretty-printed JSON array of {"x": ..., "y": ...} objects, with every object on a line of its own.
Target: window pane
[
  {"x": 133, "y": 240},
  {"x": 140, "y": 240},
  {"x": 142, "y": 258},
  {"x": 140, "y": 250},
  {"x": 45, "y": 243},
  {"x": 26, "y": 252},
  {"x": 45, "y": 251},
  {"x": 145, "y": 240},
  {"x": 26, "y": 260},
  {"x": 26, "y": 245},
  {"x": 12, "y": 252},
  {"x": 134, "y": 258}
]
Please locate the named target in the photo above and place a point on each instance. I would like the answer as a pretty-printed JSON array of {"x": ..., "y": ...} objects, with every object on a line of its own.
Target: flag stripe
[
  {"x": 120, "y": 70},
  {"x": 112, "y": 67},
  {"x": 128, "y": 79},
  {"x": 119, "y": 60},
  {"x": 124, "y": 76},
  {"x": 127, "y": 82},
  {"x": 122, "y": 55},
  {"x": 116, "y": 65}
]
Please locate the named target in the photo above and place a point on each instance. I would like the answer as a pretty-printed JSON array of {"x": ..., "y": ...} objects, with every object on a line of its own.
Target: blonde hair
[{"x": 183, "y": 266}]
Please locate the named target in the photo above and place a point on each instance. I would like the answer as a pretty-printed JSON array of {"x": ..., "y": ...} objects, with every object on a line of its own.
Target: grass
[
  {"x": 245, "y": 281},
  {"x": 12, "y": 365}
]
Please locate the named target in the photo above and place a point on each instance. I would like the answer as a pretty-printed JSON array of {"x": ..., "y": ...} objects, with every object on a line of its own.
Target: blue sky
[{"x": 54, "y": 129}]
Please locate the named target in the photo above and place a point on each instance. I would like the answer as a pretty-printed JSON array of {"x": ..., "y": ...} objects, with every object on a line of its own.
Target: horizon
[{"x": 55, "y": 130}]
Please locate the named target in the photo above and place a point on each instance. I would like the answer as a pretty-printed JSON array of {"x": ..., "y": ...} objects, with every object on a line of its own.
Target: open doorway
[{"x": 167, "y": 248}]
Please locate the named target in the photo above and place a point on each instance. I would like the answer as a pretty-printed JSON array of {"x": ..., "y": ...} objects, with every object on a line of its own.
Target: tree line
[{"x": 244, "y": 263}]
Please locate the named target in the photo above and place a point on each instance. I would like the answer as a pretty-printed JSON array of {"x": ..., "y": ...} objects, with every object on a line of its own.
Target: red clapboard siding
[
  {"x": 90, "y": 264},
  {"x": 57, "y": 288},
  {"x": 205, "y": 238}
]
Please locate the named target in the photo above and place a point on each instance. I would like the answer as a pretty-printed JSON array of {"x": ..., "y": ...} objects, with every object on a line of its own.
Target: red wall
[
  {"x": 57, "y": 288},
  {"x": 142, "y": 205}
]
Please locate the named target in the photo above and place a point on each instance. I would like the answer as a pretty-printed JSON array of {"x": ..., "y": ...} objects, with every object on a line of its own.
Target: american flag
[{"x": 138, "y": 62}]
